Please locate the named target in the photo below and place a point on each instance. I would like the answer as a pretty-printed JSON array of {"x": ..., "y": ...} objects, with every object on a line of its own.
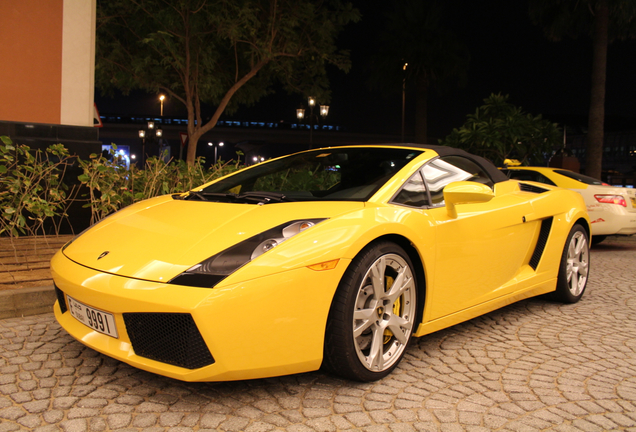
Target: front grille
[
  {"x": 60, "y": 299},
  {"x": 531, "y": 188},
  {"x": 546, "y": 224},
  {"x": 171, "y": 338}
]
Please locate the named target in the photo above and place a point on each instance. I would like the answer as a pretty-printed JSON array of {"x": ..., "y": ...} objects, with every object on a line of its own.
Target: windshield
[
  {"x": 337, "y": 174},
  {"x": 580, "y": 177}
]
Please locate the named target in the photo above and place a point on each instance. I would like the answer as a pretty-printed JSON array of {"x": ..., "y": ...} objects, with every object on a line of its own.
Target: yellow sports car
[{"x": 333, "y": 257}]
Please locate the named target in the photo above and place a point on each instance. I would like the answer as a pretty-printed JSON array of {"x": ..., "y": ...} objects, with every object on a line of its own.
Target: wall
[
  {"x": 31, "y": 49},
  {"x": 47, "y": 49}
]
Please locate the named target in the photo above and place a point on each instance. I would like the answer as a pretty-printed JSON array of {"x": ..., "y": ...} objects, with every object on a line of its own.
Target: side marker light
[{"x": 328, "y": 265}]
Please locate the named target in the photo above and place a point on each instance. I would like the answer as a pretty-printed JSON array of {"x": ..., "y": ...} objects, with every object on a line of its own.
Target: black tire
[
  {"x": 596, "y": 239},
  {"x": 574, "y": 268},
  {"x": 370, "y": 326}
]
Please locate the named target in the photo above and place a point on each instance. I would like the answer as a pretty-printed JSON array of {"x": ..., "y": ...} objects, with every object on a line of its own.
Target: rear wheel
[
  {"x": 574, "y": 268},
  {"x": 372, "y": 315}
]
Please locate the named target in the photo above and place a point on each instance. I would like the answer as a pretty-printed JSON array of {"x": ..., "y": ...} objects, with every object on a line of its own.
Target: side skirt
[{"x": 484, "y": 308}]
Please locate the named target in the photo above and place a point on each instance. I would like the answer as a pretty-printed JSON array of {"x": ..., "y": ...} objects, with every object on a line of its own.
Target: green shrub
[
  {"x": 112, "y": 186},
  {"x": 499, "y": 130},
  {"x": 31, "y": 186}
]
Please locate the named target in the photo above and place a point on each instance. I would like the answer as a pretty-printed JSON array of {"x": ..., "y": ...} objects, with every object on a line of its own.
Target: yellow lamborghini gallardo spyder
[{"x": 328, "y": 258}]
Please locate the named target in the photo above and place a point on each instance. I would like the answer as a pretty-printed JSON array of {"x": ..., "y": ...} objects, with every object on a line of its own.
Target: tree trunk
[
  {"x": 594, "y": 147},
  {"x": 193, "y": 140},
  {"x": 421, "y": 115}
]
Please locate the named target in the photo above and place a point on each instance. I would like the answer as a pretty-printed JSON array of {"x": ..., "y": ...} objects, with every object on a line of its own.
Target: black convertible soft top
[{"x": 496, "y": 174}]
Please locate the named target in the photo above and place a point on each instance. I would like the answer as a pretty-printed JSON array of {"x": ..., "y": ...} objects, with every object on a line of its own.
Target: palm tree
[
  {"x": 605, "y": 21},
  {"x": 415, "y": 35}
]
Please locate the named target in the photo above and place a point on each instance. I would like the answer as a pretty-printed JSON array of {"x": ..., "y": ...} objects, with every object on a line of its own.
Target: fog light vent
[
  {"x": 171, "y": 338},
  {"x": 60, "y": 299}
]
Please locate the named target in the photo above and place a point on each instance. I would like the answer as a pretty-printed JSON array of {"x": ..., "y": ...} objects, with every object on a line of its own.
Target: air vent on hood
[{"x": 531, "y": 188}]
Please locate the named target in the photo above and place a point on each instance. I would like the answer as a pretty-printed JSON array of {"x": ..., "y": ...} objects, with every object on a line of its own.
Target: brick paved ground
[{"x": 531, "y": 366}]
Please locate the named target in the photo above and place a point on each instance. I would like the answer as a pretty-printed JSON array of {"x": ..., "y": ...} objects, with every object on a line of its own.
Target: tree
[
  {"x": 605, "y": 21},
  {"x": 415, "y": 34},
  {"x": 224, "y": 53},
  {"x": 499, "y": 130}
]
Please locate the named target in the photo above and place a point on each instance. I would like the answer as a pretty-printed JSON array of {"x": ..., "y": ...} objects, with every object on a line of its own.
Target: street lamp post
[
  {"x": 161, "y": 99},
  {"x": 216, "y": 146},
  {"x": 151, "y": 135},
  {"x": 403, "y": 96},
  {"x": 312, "y": 103},
  {"x": 300, "y": 113}
]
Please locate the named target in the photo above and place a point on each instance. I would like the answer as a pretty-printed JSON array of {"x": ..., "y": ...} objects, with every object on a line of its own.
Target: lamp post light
[
  {"x": 147, "y": 134},
  {"x": 403, "y": 96},
  {"x": 161, "y": 99},
  {"x": 312, "y": 103},
  {"x": 216, "y": 146},
  {"x": 300, "y": 113}
]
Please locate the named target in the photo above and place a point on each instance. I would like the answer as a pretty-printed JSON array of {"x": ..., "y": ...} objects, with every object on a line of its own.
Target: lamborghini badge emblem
[{"x": 103, "y": 254}]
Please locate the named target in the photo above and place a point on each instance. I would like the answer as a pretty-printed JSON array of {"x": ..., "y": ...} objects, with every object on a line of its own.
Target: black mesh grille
[
  {"x": 546, "y": 224},
  {"x": 171, "y": 338},
  {"x": 60, "y": 298},
  {"x": 531, "y": 188}
]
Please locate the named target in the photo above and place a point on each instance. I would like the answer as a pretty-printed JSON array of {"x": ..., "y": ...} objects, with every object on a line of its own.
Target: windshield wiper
[
  {"x": 259, "y": 197},
  {"x": 211, "y": 196},
  {"x": 263, "y": 197}
]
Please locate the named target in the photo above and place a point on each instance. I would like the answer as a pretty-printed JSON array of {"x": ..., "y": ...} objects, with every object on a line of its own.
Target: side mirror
[{"x": 465, "y": 192}]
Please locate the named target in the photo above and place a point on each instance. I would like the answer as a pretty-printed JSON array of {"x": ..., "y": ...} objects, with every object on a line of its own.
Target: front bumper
[{"x": 264, "y": 327}]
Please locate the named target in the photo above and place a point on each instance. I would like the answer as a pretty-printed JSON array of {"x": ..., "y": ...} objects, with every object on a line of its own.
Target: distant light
[
  {"x": 210, "y": 144},
  {"x": 159, "y": 133},
  {"x": 300, "y": 113},
  {"x": 121, "y": 152},
  {"x": 132, "y": 156},
  {"x": 255, "y": 159},
  {"x": 162, "y": 98},
  {"x": 324, "y": 110},
  {"x": 142, "y": 133},
  {"x": 151, "y": 125},
  {"x": 221, "y": 144},
  {"x": 312, "y": 101}
]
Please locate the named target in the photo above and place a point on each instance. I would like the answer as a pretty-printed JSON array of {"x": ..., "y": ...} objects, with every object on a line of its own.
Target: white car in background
[{"x": 612, "y": 209}]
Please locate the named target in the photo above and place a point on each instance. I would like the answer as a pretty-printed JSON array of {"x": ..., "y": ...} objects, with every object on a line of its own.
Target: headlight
[{"x": 216, "y": 268}]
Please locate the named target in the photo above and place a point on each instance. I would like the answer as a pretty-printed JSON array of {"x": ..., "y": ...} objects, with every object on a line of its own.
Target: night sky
[{"x": 508, "y": 54}]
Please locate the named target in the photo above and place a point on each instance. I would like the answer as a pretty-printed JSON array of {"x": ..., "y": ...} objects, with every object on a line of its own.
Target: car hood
[{"x": 160, "y": 238}]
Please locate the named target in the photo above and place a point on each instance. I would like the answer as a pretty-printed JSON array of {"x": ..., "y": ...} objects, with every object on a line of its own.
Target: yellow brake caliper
[{"x": 396, "y": 306}]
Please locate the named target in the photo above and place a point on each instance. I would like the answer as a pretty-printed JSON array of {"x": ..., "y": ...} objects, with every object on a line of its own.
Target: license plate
[{"x": 96, "y": 319}]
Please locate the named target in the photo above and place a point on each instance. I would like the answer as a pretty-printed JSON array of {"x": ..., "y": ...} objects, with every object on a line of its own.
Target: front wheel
[
  {"x": 372, "y": 315},
  {"x": 575, "y": 266}
]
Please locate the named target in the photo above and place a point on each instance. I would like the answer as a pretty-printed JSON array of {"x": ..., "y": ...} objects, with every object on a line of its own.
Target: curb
[{"x": 27, "y": 301}]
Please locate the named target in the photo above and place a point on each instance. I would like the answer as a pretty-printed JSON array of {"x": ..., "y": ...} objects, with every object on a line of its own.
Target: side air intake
[{"x": 546, "y": 224}]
